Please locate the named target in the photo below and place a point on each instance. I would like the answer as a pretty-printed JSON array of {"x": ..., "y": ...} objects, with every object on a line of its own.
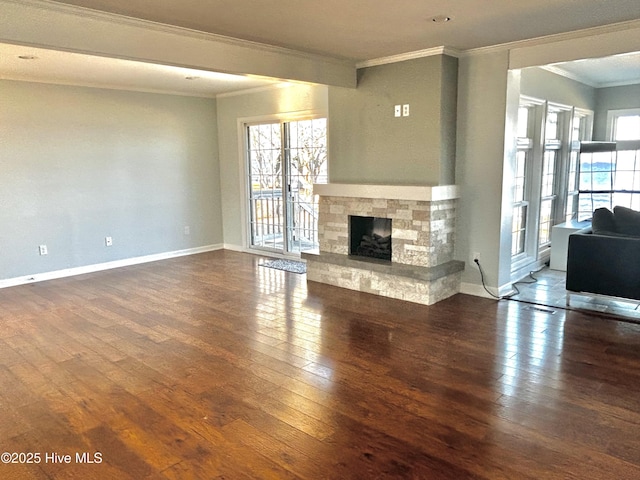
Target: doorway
[{"x": 285, "y": 159}]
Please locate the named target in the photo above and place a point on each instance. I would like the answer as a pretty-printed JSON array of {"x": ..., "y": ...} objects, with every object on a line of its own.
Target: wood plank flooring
[{"x": 213, "y": 367}]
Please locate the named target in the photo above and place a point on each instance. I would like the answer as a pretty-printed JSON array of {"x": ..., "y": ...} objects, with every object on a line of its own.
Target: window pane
[
  {"x": 551, "y": 128},
  {"x": 546, "y": 207},
  {"x": 627, "y": 127},
  {"x": 548, "y": 173},
  {"x": 518, "y": 230},
  {"x": 577, "y": 128},
  {"x": 519, "y": 180},
  {"x": 627, "y": 160},
  {"x": 523, "y": 122},
  {"x": 570, "y": 213},
  {"x": 573, "y": 172},
  {"x": 601, "y": 200},
  {"x": 624, "y": 180}
]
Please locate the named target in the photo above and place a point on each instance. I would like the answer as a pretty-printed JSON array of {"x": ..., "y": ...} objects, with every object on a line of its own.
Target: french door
[{"x": 285, "y": 159}]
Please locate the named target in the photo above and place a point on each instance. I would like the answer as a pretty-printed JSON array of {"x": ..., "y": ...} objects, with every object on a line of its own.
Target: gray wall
[
  {"x": 613, "y": 98},
  {"x": 367, "y": 144},
  {"x": 482, "y": 106},
  {"x": 79, "y": 164},
  {"x": 448, "y": 119},
  {"x": 266, "y": 105},
  {"x": 539, "y": 83}
]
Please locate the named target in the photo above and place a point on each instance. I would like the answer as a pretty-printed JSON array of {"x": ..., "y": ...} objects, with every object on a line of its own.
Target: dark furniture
[{"x": 604, "y": 259}]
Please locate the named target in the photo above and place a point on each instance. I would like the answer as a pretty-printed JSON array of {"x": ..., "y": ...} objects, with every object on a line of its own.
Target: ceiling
[
  {"x": 367, "y": 29},
  {"x": 358, "y": 30},
  {"x": 65, "y": 68},
  {"x": 616, "y": 70}
]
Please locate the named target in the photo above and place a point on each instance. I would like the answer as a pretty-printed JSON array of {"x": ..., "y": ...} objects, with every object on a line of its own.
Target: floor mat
[{"x": 292, "y": 266}]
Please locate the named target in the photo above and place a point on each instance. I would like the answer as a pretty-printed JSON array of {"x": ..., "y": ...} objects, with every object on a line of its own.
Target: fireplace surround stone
[{"x": 422, "y": 268}]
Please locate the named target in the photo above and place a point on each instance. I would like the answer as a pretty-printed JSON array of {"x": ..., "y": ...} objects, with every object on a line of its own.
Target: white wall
[{"x": 79, "y": 164}]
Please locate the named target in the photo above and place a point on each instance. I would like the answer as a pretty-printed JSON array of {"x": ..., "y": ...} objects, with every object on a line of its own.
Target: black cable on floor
[
  {"x": 513, "y": 285},
  {"x": 523, "y": 282},
  {"x": 619, "y": 318},
  {"x": 477, "y": 262}
]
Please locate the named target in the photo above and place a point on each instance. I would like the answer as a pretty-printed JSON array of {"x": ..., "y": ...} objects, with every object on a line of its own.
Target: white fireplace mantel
[{"x": 423, "y": 193}]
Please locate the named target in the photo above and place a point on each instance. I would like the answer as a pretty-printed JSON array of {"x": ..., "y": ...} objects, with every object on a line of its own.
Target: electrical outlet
[
  {"x": 43, "y": 250},
  {"x": 187, "y": 230},
  {"x": 108, "y": 241},
  {"x": 475, "y": 256},
  {"x": 405, "y": 110},
  {"x": 397, "y": 110}
]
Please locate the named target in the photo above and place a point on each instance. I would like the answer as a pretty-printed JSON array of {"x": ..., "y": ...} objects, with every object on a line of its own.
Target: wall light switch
[
  {"x": 398, "y": 110},
  {"x": 405, "y": 110}
]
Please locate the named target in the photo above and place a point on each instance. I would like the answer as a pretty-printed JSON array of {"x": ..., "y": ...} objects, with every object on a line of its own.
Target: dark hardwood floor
[{"x": 212, "y": 366}]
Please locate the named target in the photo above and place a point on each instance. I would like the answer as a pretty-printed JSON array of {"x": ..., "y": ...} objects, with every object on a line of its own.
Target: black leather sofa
[
  {"x": 604, "y": 259},
  {"x": 602, "y": 264}
]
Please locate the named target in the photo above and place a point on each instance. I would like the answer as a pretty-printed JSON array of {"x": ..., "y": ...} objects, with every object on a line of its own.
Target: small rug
[{"x": 286, "y": 265}]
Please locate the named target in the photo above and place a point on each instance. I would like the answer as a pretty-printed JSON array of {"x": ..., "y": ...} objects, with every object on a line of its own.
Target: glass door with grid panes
[{"x": 285, "y": 159}]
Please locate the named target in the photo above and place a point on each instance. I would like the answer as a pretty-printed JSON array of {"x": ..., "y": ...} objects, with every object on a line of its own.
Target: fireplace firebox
[{"x": 370, "y": 237}]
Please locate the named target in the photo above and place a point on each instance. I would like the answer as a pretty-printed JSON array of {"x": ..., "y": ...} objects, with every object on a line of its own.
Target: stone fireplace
[{"x": 421, "y": 229}]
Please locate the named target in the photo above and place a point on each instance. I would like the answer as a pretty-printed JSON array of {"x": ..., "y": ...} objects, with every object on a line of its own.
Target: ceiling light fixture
[
  {"x": 440, "y": 19},
  {"x": 27, "y": 57}
]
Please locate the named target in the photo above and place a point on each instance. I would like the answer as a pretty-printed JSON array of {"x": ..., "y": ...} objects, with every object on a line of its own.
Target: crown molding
[
  {"x": 335, "y": 64},
  {"x": 502, "y": 47},
  {"x": 556, "y": 37},
  {"x": 563, "y": 73},
  {"x": 429, "y": 52},
  {"x": 88, "y": 13}
]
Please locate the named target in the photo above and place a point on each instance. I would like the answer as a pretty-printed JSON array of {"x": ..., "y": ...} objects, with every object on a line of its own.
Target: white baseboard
[
  {"x": 69, "y": 272},
  {"x": 479, "y": 291},
  {"x": 474, "y": 289},
  {"x": 263, "y": 253},
  {"x": 234, "y": 248}
]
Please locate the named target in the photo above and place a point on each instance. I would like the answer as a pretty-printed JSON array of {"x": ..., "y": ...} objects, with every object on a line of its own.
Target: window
[
  {"x": 554, "y": 158},
  {"x": 624, "y": 124},
  {"x": 597, "y": 165},
  {"x": 522, "y": 183},
  {"x": 580, "y": 130},
  {"x": 545, "y": 176},
  {"x": 519, "y": 205},
  {"x": 610, "y": 171}
]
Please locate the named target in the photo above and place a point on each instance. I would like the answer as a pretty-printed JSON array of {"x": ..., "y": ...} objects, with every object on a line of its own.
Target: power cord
[
  {"x": 523, "y": 282},
  {"x": 513, "y": 285},
  {"x": 484, "y": 285}
]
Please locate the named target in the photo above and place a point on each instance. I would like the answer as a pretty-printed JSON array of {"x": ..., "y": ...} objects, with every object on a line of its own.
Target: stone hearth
[{"x": 422, "y": 268}]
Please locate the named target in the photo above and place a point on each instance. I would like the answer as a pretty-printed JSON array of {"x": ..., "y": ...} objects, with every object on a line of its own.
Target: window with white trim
[
  {"x": 624, "y": 124},
  {"x": 610, "y": 171},
  {"x": 545, "y": 175}
]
